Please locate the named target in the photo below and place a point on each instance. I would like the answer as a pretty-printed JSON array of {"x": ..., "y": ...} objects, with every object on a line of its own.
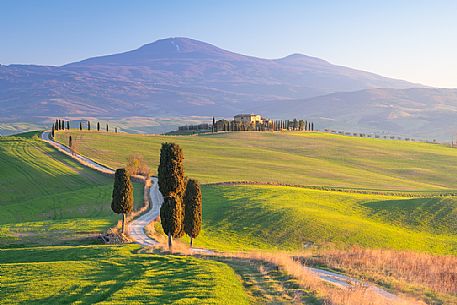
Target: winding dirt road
[{"x": 136, "y": 226}]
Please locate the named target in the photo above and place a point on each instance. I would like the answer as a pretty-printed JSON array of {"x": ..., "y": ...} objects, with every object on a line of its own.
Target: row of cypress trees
[
  {"x": 59, "y": 125},
  {"x": 181, "y": 211},
  {"x": 98, "y": 126},
  {"x": 62, "y": 125}
]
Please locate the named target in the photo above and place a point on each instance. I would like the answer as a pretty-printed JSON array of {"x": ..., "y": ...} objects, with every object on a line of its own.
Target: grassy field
[
  {"x": 276, "y": 217},
  {"x": 49, "y": 202},
  {"x": 49, "y": 199},
  {"x": 113, "y": 275},
  {"x": 279, "y": 217},
  {"x": 297, "y": 158}
]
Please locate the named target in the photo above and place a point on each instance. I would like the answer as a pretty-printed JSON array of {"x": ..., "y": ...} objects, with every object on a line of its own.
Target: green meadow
[
  {"x": 297, "y": 158},
  {"x": 52, "y": 209},
  {"x": 247, "y": 217},
  {"x": 48, "y": 198},
  {"x": 113, "y": 275}
]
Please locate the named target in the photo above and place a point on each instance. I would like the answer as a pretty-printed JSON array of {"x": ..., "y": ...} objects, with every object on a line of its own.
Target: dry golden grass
[
  {"x": 329, "y": 294},
  {"x": 439, "y": 273}
]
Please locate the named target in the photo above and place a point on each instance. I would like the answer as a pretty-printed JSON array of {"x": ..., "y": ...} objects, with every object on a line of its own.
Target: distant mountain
[
  {"x": 420, "y": 112},
  {"x": 175, "y": 76}
]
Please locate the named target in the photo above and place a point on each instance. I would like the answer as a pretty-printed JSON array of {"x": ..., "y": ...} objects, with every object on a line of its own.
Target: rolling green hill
[
  {"x": 279, "y": 217},
  {"x": 113, "y": 275},
  {"x": 297, "y": 158},
  {"x": 48, "y": 198}
]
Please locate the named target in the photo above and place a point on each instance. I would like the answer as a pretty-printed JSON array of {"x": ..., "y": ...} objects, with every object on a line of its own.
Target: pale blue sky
[{"x": 413, "y": 40}]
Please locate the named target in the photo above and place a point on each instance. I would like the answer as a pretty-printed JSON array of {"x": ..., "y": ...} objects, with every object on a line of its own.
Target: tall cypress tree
[
  {"x": 312, "y": 126},
  {"x": 107, "y": 127},
  {"x": 172, "y": 186},
  {"x": 193, "y": 209},
  {"x": 171, "y": 217},
  {"x": 52, "y": 131},
  {"x": 122, "y": 195},
  {"x": 98, "y": 126},
  {"x": 88, "y": 125},
  {"x": 80, "y": 125},
  {"x": 68, "y": 125}
]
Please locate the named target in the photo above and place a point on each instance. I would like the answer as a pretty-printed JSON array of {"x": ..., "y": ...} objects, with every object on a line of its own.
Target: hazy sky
[{"x": 413, "y": 40}]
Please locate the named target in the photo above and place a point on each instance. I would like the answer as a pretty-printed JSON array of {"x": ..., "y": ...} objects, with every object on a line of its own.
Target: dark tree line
[
  {"x": 266, "y": 125},
  {"x": 61, "y": 125}
]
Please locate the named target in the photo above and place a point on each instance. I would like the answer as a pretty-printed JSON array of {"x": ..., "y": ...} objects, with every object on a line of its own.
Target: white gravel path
[
  {"x": 45, "y": 136},
  {"x": 136, "y": 226}
]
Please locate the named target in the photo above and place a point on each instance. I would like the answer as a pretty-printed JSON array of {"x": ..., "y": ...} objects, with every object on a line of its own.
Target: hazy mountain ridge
[
  {"x": 176, "y": 76},
  {"x": 420, "y": 112},
  {"x": 185, "y": 77}
]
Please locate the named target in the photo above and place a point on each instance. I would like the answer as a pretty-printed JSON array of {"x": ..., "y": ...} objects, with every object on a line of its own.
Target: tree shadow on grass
[{"x": 138, "y": 278}]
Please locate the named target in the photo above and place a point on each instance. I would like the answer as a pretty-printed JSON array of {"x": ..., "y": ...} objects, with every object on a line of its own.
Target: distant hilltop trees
[
  {"x": 65, "y": 125},
  {"x": 251, "y": 122}
]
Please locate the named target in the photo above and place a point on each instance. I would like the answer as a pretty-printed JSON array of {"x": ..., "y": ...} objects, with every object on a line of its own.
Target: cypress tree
[
  {"x": 122, "y": 202},
  {"x": 88, "y": 125},
  {"x": 98, "y": 126},
  {"x": 171, "y": 217},
  {"x": 212, "y": 127},
  {"x": 70, "y": 142},
  {"x": 171, "y": 170},
  {"x": 80, "y": 125},
  {"x": 107, "y": 127},
  {"x": 52, "y": 131},
  {"x": 115, "y": 130},
  {"x": 172, "y": 185},
  {"x": 193, "y": 209},
  {"x": 68, "y": 125},
  {"x": 312, "y": 126},
  {"x": 58, "y": 126}
]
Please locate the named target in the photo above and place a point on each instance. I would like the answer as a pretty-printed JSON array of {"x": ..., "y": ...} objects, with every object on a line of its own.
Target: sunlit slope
[
  {"x": 113, "y": 275},
  {"x": 246, "y": 217},
  {"x": 48, "y": 198},
  {"x": 297, "y": 158}
]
